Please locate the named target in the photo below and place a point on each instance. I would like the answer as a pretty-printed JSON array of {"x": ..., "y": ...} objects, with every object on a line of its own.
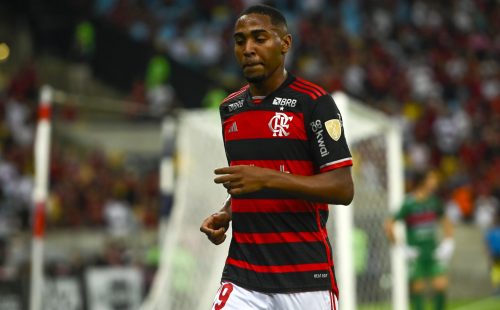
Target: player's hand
[
  {"x": 215, "y": 227},
  {"x": 242, "y": 179},
  {"x": 445, "y": 251},
  {"x": 411, "y": 253}
]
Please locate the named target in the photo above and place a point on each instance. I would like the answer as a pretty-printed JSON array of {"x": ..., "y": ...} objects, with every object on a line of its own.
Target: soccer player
[
  {"x": 288, "y": 159},
  {"x": 422, "y": 212}
]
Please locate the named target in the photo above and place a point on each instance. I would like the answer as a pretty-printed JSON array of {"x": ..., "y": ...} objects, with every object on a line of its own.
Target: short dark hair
[
  {"x": 277, "y": 18},
  {"x": 418, "y": 177}
]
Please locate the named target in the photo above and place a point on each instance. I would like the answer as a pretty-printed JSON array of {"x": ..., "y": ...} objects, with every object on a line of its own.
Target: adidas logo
[{"x": 233, "y": 128}]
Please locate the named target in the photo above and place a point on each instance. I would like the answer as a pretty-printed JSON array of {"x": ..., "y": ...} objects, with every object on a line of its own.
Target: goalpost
[
  {"x": 40, "y": 193},
  {"x": 369, "y": 271}
]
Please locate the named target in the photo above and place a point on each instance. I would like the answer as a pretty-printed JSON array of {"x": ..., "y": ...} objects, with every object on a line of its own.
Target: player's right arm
[
  {"x": 410, "y": 252},
  {"x": 390, "y": 223},
  {"x": 216, "y": 225},
  {"x": 389, "y": 230}
]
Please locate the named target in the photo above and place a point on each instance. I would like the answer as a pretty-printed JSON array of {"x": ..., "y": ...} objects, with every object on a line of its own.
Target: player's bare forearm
[
  {"x": 389, "y": 230},
  {"x": 335, "y": 187},
  {"x": 227, "y": 207},
  {"x": 447, "y": 227}
]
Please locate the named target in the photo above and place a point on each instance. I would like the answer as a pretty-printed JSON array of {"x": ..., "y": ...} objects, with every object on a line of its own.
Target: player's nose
[{"x": 248, "y": 48}]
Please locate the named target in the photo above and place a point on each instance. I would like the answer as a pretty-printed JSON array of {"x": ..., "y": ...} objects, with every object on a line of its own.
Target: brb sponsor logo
[
  {"x": 285, "y": 102},
  {"x": 236, "y": 105},
  {"x": 317, "y": 129},
  {"x": 279, "y": 124}
]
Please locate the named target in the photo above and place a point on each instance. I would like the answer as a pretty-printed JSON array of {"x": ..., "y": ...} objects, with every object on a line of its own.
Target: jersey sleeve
[
  {"x": 327, "y": 137},
  {"x": 439, "y": 207}
]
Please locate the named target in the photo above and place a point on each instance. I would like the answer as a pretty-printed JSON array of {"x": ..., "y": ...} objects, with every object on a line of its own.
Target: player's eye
[
  {"x": 239, "y": 40},
  {"x": 260, "y": 39}
]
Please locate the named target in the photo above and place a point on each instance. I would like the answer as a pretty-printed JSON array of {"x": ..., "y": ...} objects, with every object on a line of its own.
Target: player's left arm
[
  {"x": 447, "y": 227},
  {"x": 446, "y": 247}
]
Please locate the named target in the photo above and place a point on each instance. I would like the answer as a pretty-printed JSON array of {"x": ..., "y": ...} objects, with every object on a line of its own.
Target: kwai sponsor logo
[{"x": 317, "y": 129}]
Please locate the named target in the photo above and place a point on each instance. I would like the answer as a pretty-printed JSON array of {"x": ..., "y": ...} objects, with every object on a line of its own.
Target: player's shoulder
[
  {"x": 236, "y": 95},
  {"x": 307, "y": 89},
  {"x": 409, "y": 199},
  {"x": 436, "y": 201}
]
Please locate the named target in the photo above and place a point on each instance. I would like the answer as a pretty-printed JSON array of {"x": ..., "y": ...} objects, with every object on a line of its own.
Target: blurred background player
[{"x": 423, "y": 213}]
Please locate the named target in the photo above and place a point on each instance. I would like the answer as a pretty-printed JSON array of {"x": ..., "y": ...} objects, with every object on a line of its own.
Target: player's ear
[{"x": 286, "y": 43}]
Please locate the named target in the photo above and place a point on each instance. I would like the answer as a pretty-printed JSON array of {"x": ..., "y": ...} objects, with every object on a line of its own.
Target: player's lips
[{"x": 251, "y": 64}]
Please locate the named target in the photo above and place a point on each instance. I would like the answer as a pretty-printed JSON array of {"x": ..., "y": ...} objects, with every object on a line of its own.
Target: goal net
[{"x": 370, "y": 273}]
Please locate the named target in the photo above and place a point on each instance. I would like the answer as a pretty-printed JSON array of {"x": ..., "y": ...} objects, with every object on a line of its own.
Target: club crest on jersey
[
  {"x": 285, "y": 102},
  {"x": 334, "y": 128},
  {"x": 279, "y": 124}
]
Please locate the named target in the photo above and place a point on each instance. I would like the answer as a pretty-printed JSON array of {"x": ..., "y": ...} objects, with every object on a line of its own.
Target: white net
[{"x": 372, "y": 263}]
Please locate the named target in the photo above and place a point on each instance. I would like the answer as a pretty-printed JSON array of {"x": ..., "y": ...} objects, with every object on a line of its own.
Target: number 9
[{"x": 225, "y": 291}]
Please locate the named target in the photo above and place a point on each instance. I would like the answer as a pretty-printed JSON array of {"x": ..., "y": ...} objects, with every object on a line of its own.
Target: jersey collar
[{"x": 256, "y": 100}]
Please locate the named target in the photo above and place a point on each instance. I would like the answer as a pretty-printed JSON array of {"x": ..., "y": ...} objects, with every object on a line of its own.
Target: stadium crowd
[{"x": 88, "y": 187}]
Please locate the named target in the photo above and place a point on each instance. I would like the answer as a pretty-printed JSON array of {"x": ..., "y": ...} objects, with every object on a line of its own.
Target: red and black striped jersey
[{"x": 279, "y": 241}]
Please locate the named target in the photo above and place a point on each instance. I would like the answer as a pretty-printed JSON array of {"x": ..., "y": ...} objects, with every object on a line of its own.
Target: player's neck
[
  {"x": 270, "y": 84},
  {"x": 421, "y": 194}
]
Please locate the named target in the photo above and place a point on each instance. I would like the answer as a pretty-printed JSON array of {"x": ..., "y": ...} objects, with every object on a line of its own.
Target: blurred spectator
[
  {"x": 213, "y": 98},
  {"x": 18, "y": 120},
  {"x": 462, "y": 199},
  {"x": 487, "y": 207},
  {"x": 83, "y": 50},
  {"x": 136, "y": 105},
  {"x": 84, "y": 40},
  {"x": 119, "y": 218},
  {"x": 492, "y": 238},
  {"x": 159, "y": 93},
  {"x": 114, "y": 253}
]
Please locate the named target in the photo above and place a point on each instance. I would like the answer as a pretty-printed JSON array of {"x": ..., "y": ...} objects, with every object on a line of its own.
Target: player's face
[
  {"x": 259, "y": 47},
  {"x": 432, "y": 181}
]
